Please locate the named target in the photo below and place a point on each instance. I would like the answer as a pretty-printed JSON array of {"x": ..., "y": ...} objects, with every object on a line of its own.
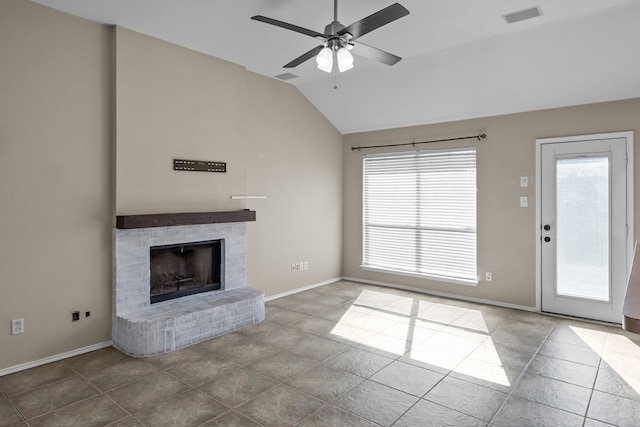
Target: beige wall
[
  {"x": 175, "y": 103},
  {"x": 56, "y": 177},
  {"x": 77, "y": 97},
  {"x": 506, "y": 232}
]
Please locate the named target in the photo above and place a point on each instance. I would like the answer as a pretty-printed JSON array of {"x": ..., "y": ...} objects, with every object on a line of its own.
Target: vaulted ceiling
[{"x": 460, "y": 57}]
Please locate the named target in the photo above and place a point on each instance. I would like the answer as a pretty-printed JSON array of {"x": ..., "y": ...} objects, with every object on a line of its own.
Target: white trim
[
  {"x": 441, "y": 294},
  {"x": 247, "y": 197},
  {"x": 453, "y": 280},
  {"x": 54, "y": 358},
  {"x": 628, "y": 135},
  {"x": 304, "y": 288}
]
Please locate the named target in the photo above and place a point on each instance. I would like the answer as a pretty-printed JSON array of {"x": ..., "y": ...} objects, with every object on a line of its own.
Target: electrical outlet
[
  {"x": 488, "y": 276},
  {"x": 17, "y": 326},
  {"x": 305, "y": 266},
  {"x": 293, "y": 268}
]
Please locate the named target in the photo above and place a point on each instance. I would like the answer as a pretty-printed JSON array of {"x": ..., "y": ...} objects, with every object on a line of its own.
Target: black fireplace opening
[{"x": 185, "y": 269}]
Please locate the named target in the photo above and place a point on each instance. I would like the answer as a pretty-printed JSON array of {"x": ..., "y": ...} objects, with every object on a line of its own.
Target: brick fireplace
[{"x": 143, "y": 329}]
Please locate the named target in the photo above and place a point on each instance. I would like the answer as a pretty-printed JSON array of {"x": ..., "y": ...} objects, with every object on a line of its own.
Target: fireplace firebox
[{"x": 185, "y": 269}]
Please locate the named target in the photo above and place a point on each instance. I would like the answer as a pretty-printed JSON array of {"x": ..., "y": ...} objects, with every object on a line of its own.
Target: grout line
[{"x": 524, "y": 370}]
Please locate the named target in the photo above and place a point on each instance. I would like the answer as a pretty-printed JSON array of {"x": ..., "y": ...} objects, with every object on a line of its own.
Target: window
[{"x": 420, "y": 214}]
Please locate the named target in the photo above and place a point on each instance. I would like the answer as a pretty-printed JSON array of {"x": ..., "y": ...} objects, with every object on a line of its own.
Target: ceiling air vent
[
  {"x": 286, "y": 76},
  {"x": 522, "y": 15}
]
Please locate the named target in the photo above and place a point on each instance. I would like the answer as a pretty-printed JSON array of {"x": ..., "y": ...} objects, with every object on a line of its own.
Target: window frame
[{"x": 467, "y": 281}]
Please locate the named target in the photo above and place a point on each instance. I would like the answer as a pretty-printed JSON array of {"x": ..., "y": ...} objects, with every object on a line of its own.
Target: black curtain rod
[{"x": 478, "y": 137}]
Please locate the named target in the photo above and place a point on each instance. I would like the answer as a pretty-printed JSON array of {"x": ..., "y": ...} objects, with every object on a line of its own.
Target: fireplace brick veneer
[{"x": 142, "y": 329}]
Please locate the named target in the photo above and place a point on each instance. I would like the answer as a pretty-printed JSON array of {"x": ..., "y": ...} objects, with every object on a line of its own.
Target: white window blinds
[{"x": 420, "y": 214}]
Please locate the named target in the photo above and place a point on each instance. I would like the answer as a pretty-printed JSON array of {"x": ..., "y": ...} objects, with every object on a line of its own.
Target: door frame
[{"x": 628, "y": 135}]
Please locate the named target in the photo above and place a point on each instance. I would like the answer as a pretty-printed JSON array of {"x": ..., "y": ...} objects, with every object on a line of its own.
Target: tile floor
[{"x": 348, "y": 354}]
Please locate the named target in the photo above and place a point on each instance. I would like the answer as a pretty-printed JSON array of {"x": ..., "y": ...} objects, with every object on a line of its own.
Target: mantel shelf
[{"x": 190, "y": 218}]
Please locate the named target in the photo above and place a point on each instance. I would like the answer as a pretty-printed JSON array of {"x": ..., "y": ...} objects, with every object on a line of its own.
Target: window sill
[{"x": 464, "y": 282}]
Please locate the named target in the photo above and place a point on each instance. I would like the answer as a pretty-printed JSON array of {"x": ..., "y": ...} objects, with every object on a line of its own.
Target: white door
[{"x": 585, "y": 212}]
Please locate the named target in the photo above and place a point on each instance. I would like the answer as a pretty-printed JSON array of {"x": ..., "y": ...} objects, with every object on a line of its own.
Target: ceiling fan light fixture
[
  {"x": 325, "y": 60},
  {"x": 345, "y": 59}
]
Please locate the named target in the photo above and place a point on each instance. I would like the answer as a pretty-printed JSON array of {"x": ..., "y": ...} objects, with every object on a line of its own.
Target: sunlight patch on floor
[{"x": 421, "y": 332}]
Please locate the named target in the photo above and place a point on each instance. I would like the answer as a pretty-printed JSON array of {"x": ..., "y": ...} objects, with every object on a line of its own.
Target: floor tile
[
  {"x": 440, "y": 313},
  {"x": 433, "y": 358},
  {"x": 319, "y": 348},
  {"x": 471, "y": 399},
  {"x": 527, "y": 413},
  {"x": 495, "y": 376},
  {"x": 280, "y": 407},
  {"x": 314, "y": 325},
  {"x": 186, "y": 409},
  {"x": 203, "y": 370},
  {"x": 325, "y": 383},
  {"x": 588, "y": 422},
  {"x": 94, "y": 412},
  {"x": 127, "y": 422},
  {"x": 475, "y": 320},
  {"x": 223, "y": 342},
  {"x": 570, "y": 352},
  {"x": 281, "y": 336},
  {"x": 285, "y": 302},
  {"x": 119, "y": 374},
  {"x": 309, "y": 308},
  {"x": 376, "y": 402},
  {"x": 334, "y": 314},
  {"x": 96, "y": 359},
  {"x": 185, "y": 355},
  {"x": 554, "y": 393},
  {"x": 359, "y": 362},
  {"x": 53, "y": 396},
  {"x": 284, "y": 317},
  {"x": 408, "y": 378},
  {"x": 230, "y": 419},
  {"x": 563, "y": 370},
  {"x": 283, "y": 366},
  {"x": 429, "y": 414},
  {"x": 624, "y": 382},
  {"x": 34, "y": 378},
  {"x": 580, "y": 333},
  {"x": 247, "y": 351},
  {"x": 387, "y": 346},
  {"x": 147, "y": 391},
  {"x": 9, "y": 416},
  {"x": 615, "y": 410},
  {"x": 331, "y": 416},
  {"x": 237, "y": 387}
]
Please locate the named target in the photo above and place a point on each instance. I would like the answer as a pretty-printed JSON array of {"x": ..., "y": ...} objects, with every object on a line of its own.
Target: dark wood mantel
[{"x": 191, "y": 218}]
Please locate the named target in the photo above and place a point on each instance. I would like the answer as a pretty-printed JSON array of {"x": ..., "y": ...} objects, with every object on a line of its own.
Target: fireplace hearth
[
  {"x": 184, "y": 269},
  {"x": 186, "y": 259}
]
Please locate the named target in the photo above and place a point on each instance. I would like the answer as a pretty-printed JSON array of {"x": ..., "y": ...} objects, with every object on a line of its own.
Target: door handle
[{"x": 547, "y": 239}]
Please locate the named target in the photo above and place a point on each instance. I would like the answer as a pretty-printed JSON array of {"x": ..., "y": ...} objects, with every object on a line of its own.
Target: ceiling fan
[{"x": 339, "y": 40}]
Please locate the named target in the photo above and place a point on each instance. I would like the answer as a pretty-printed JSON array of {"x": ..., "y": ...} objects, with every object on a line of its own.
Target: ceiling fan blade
[
  {"x": 288, "y": 26},
  {"x": 304, "y": 57},
  {"x": 377, "y": 20},
  {"x": 374, "y": 53}
]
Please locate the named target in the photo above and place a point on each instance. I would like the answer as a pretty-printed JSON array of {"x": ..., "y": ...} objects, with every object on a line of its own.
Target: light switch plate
[
  {"x": 524, "y": 201},
  {"x": 524, "y": 181}
]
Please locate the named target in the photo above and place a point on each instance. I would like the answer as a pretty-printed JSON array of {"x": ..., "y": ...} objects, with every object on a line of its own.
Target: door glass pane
[{"x": 582, "y": 228}]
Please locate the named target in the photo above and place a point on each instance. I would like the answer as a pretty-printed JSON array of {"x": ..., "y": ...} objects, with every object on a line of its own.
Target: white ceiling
[{"x": 460, "y": 58}]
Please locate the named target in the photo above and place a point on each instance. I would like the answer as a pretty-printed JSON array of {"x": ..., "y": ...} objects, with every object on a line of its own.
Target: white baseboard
[
  {"x": 305, "y": 288},
  {"x": 54, "y": 358},
  {"x": 441, "y": 294}
]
